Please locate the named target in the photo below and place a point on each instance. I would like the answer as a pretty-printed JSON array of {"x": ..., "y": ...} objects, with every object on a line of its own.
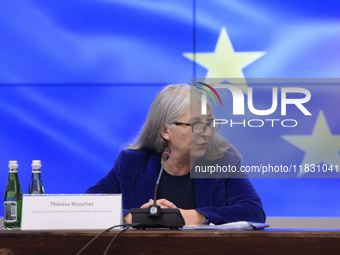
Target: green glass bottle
[{"x": 13, "y": 198}]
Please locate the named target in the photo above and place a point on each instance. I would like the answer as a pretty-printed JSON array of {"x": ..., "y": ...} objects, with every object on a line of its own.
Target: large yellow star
[
  {"x": 224, "y": 62},
  {"x": 320, "y": 147}
]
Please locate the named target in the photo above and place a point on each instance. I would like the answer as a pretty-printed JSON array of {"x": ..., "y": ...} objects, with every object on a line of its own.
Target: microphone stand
[{"x": 155, "y": 216}]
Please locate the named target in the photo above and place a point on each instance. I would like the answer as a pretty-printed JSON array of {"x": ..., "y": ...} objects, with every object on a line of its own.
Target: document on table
[{"x": 238, "y": 225}]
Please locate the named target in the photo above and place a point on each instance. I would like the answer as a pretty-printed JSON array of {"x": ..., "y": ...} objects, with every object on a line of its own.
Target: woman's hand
[
  {"x": 128, "y": 218},
  {"x": 163, "y": 203},
  {"x": 191, "y": 217}
]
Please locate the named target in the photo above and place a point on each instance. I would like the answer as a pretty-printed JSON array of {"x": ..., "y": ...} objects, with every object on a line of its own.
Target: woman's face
[{"x": 183, "y": 142}]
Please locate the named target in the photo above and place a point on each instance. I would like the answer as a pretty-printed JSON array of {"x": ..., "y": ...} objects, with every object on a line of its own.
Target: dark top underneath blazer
[{"x": 222, "y": 200}]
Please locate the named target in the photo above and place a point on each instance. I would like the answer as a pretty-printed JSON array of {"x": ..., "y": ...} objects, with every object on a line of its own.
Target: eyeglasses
[{"x": 200, "y": 127}]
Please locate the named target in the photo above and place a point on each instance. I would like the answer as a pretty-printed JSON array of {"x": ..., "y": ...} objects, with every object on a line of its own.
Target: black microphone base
[{"x": 169, "y": 218}]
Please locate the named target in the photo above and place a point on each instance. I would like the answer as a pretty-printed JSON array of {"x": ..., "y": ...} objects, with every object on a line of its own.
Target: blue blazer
[{"x": 222, "y": 200}]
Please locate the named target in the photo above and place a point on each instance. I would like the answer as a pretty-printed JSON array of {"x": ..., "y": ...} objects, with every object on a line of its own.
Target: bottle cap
[
  {"x": 36, "y": 163},
  {"x": 13, "y": 164}
]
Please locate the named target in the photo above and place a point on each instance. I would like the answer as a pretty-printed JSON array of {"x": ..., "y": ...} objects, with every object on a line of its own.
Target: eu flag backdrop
[{"x": 78, "y": 77}]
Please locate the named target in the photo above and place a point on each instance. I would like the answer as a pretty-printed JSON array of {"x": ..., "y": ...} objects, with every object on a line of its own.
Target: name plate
[{"x": 67, "y": 212}]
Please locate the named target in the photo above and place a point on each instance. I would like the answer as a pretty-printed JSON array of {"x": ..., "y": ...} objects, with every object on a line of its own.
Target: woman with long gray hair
[{"x": 175, "y": 121}]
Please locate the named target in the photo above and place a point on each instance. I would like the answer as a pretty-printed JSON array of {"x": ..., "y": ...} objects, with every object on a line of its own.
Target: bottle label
[
  {"x": 36, "y": 171},
  {"x": 13, "y": 170},
  {"x": 10, "y": 211}
]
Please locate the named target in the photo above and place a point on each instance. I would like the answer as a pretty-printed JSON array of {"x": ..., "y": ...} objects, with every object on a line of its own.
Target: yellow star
[
  {"x": 224, "y": 62},
  {"x": 320, "y": 147}
]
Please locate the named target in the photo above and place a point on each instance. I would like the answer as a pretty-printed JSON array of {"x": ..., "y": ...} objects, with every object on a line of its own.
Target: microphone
[
  {"x": 154, "y": 216},
  {"x": 155, "y": 210}
]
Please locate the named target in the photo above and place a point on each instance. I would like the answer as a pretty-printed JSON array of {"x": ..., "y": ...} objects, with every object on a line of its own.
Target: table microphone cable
[
  {"x": 122, "y": 230},
  {"x": 126, "y": 226}
]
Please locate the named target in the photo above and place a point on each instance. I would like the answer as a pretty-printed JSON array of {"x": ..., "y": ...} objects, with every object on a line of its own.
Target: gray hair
[{"x": 169, "y": 105}]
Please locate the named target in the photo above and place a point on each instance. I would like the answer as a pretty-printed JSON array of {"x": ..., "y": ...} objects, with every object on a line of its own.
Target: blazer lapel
[{"x": 146, "y": 181}]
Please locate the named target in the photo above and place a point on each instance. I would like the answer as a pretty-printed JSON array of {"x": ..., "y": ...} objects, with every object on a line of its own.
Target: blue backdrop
[{"x": 78, "y": 77}]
